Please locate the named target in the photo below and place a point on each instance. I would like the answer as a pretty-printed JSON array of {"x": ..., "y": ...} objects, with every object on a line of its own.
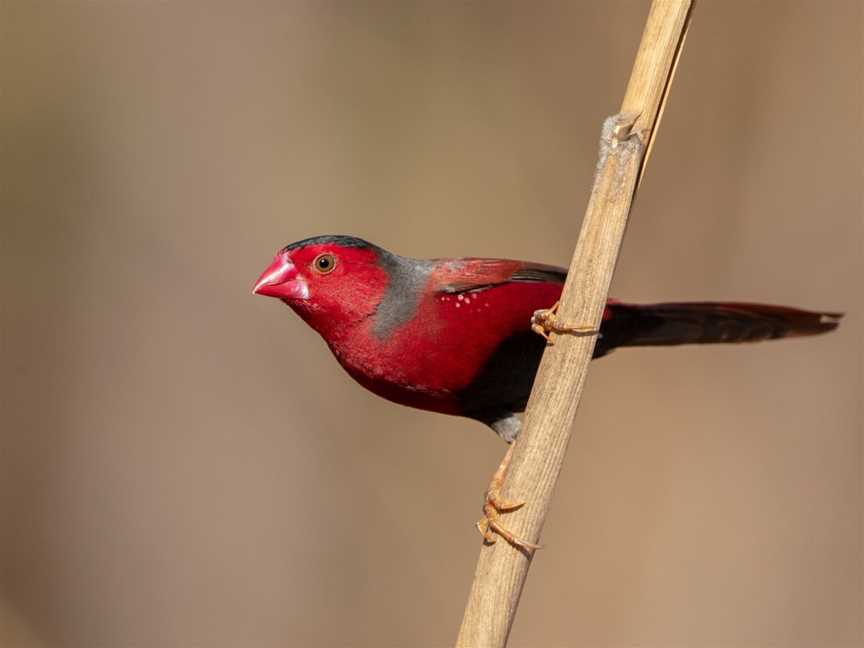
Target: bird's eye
[{"x": 324, "y": 263}]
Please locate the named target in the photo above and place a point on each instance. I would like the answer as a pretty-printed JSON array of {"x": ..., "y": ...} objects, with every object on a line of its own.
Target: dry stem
[{"x": 540, "y": 449}]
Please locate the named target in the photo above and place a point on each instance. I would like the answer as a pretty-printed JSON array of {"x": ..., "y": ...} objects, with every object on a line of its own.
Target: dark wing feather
[{"x": 533, "y": 272}]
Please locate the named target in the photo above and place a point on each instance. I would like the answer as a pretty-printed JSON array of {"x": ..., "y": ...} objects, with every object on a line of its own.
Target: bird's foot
[
  {"x": 494, "y": 505},
  {"x": 545, "y": 321},
  {"x": 490, "y": 528}
]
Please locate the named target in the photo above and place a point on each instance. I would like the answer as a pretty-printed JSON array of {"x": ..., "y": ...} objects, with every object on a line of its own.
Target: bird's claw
[
  {"x": 545, "y": 321},
  {"x": 494, "y": 505},
  {"x": 490, "y": 528},
  {"x": 494, "y": 499}
]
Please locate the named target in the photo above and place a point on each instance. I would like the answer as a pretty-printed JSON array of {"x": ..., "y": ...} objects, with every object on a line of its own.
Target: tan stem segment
[{"x": 539, "y": 451}]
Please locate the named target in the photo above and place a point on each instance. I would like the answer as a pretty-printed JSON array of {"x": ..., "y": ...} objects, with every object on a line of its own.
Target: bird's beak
[{"x": 281, "y": 280}]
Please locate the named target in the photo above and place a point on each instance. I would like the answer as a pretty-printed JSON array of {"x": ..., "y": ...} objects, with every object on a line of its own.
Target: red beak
[{"x": 281, "y": 280}]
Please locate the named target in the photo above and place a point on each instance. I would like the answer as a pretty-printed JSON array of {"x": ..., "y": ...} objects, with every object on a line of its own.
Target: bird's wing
[{"x": 471, "y": 275}]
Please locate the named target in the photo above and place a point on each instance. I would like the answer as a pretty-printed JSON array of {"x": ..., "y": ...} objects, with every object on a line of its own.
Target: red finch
[{"x": 455, "y": 335}]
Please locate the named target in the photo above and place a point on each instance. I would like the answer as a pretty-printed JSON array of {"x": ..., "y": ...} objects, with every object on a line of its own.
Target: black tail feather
[{"x": 706, "y": 323}]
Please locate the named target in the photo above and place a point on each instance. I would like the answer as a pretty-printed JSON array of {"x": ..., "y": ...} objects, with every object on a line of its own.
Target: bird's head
[{"x": 332, "y": 282}]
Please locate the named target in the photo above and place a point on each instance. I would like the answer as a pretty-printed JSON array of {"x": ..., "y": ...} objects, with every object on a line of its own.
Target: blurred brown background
[{"x": 185, "y": 465}]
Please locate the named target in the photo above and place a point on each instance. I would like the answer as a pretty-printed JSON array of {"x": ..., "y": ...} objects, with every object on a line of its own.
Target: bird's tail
[{"x": 706, "y": 323}]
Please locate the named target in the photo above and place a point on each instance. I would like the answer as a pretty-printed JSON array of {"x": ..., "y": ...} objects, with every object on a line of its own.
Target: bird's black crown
[{"x": 337, "y": 239}]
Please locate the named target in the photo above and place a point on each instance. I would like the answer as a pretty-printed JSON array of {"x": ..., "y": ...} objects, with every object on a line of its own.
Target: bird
[{"x": 465, "y": 336}]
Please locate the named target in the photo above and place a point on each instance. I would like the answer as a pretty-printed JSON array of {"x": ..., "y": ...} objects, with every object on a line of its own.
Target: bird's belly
[{"x": 403, "y": 381}]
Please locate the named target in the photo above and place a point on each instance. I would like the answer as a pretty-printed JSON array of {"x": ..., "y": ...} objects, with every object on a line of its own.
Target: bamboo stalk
[{"x": 539, "y": 452}]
